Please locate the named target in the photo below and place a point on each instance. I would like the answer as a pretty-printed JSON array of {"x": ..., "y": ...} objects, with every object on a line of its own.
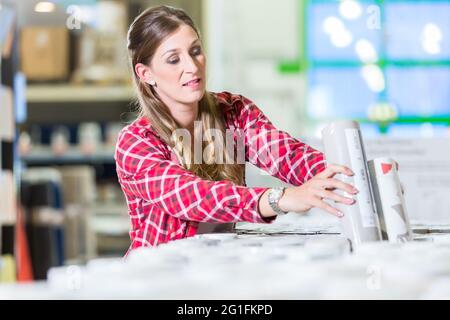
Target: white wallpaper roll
[
  {"x": 78, "y": 184},
  {"x": 7, "y": 198},
  {"x": 389, "y": 200},
  {"x": 343, "y": 145},
  {"x": 7, "y": 114}
]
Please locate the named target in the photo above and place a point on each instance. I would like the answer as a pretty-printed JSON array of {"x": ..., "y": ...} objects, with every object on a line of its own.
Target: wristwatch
[{"x": 275, "y": 195}]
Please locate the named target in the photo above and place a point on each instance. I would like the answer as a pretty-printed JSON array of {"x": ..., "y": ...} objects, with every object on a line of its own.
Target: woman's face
[{"x": 178, "y": 67}]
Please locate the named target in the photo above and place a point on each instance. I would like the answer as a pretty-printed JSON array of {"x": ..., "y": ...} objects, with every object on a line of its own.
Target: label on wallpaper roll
[
  {"x": 361, "y": 180},
  {"x": 388, "y": 193}
]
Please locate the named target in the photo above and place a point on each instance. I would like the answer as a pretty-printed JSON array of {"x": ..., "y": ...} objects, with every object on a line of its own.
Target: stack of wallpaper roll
[
  {"x": 79, "y": 187},
  {"x": 230, "y": 266},
  {"x": 7, "y": 181},
  {"x": 42, "y": 199},
  {"x": 58, "y": 205},
  {"x": 257, "y": 266},
  {"x": 11, "y": 98}
]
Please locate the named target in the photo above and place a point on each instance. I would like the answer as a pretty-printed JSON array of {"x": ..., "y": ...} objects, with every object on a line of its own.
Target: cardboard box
[
  {"x": 45, "y": 53},
  {"x": 101, "y": 58}
]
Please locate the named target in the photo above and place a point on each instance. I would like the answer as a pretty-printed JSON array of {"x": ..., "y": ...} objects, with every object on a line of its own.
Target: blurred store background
[{"x": 66, "y": 92}]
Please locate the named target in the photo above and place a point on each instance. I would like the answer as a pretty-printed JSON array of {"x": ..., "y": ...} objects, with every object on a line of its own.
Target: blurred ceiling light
[
  {"x": 431, "y": 47},
  {"x": 431, "y": 38},
  {"x": 374, "y": 77},
  {"x": 350, "y": 9},
  {"x": 432, "y": 32},
  {"x": 366, "y": 51},
  {"x": 332, "y": 24},
  {"x": 342, "y": 38},
  {"x": 339, "y": 35},
  {"x": 44, "y": 6}
]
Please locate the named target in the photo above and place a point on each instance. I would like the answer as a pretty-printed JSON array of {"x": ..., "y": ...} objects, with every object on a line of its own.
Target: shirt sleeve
[
  {"x": 275, "y": 151},
  {"x": 145, "y": 171}
]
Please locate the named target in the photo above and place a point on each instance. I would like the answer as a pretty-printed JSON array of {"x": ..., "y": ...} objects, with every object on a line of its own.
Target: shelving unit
[
  {"x": 54, "y": 104},
  {"x": 44, "y": 155},
  {"x": 65, "y": 93},
  {"x": 8, "y": 171}
]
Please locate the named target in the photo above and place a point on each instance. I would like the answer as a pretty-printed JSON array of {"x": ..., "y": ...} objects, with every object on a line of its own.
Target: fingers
[
  {"x": 325, "y": 194},
  {"x": 337, "y": 184},
  {"x": 333, "y": 169},
  {"x": 325, "y": 206}
]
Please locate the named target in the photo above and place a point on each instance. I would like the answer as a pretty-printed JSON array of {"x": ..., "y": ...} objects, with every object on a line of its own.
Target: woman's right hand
[{"x": 313, "y": 192}]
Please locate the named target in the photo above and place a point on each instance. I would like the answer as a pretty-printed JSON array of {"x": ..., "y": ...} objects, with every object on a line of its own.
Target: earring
[{"x": 152, "y": 83}]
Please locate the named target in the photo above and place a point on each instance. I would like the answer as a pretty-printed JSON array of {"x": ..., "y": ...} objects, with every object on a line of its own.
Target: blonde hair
[{"x": 146, "y": 32}]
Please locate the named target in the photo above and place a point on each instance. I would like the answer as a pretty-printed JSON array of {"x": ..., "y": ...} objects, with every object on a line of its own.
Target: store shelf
[
  {"x": 111, "y": 209},
  {"x": 44, "y": 155},
  {"x": 111, "y": 225},
  {"x": 78, "y": 93}
]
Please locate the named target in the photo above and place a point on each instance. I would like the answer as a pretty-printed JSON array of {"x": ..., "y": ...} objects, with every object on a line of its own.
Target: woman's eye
[
  {"x": 197, "y": 51},
  {"x": 173, "y": 60}
]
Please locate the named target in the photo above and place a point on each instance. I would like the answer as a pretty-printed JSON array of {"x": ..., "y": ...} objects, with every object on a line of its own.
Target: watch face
[{"x": 274, "y": 195}]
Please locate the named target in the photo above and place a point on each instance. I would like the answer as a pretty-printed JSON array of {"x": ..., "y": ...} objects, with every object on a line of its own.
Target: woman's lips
[{"x": 193, "y": 83}]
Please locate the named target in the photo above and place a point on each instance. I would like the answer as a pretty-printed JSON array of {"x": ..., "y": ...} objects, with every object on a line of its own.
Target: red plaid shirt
[{"x": 166, "y": 202}]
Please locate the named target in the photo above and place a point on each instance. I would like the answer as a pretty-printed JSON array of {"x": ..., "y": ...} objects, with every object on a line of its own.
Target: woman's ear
[{"x": 143, "y": 72}]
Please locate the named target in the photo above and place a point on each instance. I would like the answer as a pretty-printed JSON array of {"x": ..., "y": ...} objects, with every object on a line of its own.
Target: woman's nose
[{"x": 191, "y": 65}]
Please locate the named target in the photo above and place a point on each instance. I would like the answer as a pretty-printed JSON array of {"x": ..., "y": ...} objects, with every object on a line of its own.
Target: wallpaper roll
[
  {"x": 72, "y": 231},
  {"x": 7, "y": 198},
  {"x": 79, "y": 235},
  {"x": 45, "y": 223},
  {"x": 43, "y": 254},
  {"x": 7, "y": 239},
  {"x": 6, "y": 128},
  {"x": 7, "y": 114},
  {"x": 6, "y": 155},
  {"x": 343, "y": 145},
  {"x": 53, "y": 219},
  {"x": 389, "y": 199},
  {"x": 42, "y": 195},
  {"x": 7, "y": 269},
  {"x": 80, "y": 189},
  {"x": 78, "y": 184}
]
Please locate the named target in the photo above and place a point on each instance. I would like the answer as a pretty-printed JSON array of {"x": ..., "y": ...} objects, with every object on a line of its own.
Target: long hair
[{"x": 145, "y": 34}]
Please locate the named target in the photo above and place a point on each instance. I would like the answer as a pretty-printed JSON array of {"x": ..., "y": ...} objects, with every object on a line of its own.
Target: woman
[{"x": 170, "y": 193}]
